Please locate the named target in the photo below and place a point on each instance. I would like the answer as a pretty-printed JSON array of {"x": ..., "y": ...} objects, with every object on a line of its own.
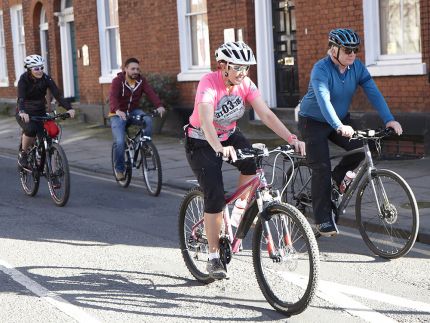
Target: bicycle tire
[
  {"x": 298, "y": 192},
  {"x": 395, "y": 235},
  {"x": 128, "y": 169},
  {"x": 30, "y": 179},
  {"x": 58, "y": 175},
  {"x": 292, "y": 293},
  {"x": 195, "y": 250},
  {"x": 151, "y": 168}
]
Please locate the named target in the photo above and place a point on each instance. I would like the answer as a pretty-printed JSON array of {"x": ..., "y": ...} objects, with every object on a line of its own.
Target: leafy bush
[{"x": 165, "y": 87}]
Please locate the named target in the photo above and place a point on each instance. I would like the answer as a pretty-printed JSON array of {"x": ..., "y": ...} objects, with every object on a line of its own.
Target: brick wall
[{"x": 403, "y": 93}]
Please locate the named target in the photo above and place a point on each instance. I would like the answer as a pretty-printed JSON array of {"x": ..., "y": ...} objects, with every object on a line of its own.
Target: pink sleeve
[
  {"x": 251, "y": 89},
  {"x": 205, "y": 92}
]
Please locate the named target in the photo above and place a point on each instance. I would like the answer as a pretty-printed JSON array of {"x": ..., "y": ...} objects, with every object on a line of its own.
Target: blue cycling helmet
[{"x": 344, "y": 37}]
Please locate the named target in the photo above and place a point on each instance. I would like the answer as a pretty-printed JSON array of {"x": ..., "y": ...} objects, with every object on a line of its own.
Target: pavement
[{"x": 88, "y": 148}]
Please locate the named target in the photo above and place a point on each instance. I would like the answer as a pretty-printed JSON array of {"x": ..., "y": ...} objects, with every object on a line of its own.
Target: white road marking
[
  {"x": 336, "y": 294},
  {"x": 47, "y": 295},
  {"x": 358, "y": 236}
]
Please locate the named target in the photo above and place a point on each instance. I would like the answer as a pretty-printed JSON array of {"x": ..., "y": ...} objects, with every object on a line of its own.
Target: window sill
[
  {"x": 191, "y": 75},
  {"x": 4, "y": 83},
  {"x": 397, "y": 69},
  {"x": 105, "y": 79}
]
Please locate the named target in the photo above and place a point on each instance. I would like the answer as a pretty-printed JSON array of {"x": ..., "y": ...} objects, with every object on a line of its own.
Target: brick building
[{"x": 86, "y": 42}]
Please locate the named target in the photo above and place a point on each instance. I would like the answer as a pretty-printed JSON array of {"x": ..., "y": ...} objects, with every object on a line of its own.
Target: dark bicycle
[
  {"x": 386, "y": 210},
  {"x": 140, "y": 152},
  {"x": 47, "y": 158}
]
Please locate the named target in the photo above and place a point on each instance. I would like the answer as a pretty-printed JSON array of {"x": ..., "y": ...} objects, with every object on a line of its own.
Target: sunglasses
[
  {"x": 350, "y": 50},
  {"x": 239, "y": 68},
  {"x": 37, "y": 68}
]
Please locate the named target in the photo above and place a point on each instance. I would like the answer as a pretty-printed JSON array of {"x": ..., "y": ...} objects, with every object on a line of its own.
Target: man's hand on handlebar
[
  {"x": 395, "y": 126},
  {"x": 121, "y": 114},
  {"x": 161, "y": 110}
]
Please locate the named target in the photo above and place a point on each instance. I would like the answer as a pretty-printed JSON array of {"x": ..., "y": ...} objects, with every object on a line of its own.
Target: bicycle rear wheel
[
  {"x": 298, "y": 192},
  {"x": 391, "y": 230},
  {"x": 192, "y": 236},
  {"x": 151, "y": 168},
  {"x": 30, "y": 178},
  {"x": 58, "y": 175},
  {"x": 128, "y": 169},
  {"x": 286, "y": 262}
]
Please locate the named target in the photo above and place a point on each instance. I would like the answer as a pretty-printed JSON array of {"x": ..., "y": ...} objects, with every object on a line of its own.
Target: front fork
[{"x": 274, "y": 253}]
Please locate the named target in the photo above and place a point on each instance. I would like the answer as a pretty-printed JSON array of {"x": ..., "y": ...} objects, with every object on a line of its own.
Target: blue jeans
[{"x": 118, "y": 132}]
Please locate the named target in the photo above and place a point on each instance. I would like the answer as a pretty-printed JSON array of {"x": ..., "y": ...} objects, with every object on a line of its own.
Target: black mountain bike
[
  {"x": 47, "y": 158},
  {"x": 386, "y": 210},
  {"x": 140, "y": 152}
]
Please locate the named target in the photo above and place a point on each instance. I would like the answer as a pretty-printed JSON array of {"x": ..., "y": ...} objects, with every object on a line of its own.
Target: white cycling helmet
[
  {"x": 33, "y": 61},
  {"x": 235, "y": 53}
]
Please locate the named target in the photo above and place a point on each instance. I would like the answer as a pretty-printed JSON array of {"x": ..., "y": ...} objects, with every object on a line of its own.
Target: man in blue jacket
[{"x": 324, "y": 116}]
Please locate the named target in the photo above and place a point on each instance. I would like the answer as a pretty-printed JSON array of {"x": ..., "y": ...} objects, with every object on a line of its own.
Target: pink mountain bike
[{"x": 284, "y": 250}]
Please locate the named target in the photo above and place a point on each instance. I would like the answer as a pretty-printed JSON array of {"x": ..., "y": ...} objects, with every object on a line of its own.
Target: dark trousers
[{"x": 316, "y": 136}]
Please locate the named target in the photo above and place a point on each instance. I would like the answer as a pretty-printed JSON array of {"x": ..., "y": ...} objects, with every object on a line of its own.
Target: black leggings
[
  {"x": 316, "y": 136},
  {"x": 207, "y": 166}
]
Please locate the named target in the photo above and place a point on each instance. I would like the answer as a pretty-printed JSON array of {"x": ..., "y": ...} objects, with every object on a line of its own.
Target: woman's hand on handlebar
[
  {"x": 345, "y": 131},
  {"x": 227, "y": 153},
  {"x": 395, "y": 126},
  {"x": 71, "y": 113},
  {"x": 24, "y": 116},
  {"x": 299, "y": 146}
]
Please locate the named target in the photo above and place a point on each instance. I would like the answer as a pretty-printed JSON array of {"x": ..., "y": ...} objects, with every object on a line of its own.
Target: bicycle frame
[
  {"x": 366, "y": 168},
  {"x": 257, "y": 201},
  {"x": 136, "y": 143}
]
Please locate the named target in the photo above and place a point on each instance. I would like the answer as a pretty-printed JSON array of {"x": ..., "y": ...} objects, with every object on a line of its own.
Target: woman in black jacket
[{"x": 32, "y": 88}]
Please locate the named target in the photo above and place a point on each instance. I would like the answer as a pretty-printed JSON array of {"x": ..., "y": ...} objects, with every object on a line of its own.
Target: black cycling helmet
[{"x": 343, "y": 37}]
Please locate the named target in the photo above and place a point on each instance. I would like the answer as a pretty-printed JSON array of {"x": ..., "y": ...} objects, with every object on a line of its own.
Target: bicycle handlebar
[
  {"x": 262, "y": 151},
  {"x": 139, "y": 117},
  {"x": 372, "y": 133},
  {"x": 48, "y": 117}
]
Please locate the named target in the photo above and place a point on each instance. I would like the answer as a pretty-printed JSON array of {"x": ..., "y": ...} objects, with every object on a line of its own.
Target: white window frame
[
  {"x": 43, "y": 41},
  {"x": 18, "y": 48},
  {"x": 188, "y": 72},
  {"x": 107, "y": 74},
  {"x": 4, "y": 79},
  {"x": 385, "y": 65}
]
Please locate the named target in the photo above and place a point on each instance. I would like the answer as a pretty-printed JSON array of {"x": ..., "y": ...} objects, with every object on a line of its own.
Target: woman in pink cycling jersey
[{"x": 212, "y": 134}]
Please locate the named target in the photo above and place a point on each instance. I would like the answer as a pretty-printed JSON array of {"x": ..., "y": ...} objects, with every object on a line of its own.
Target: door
[
  {"x": 68, "y": 51},
  {"x": 284, "y": 41}
]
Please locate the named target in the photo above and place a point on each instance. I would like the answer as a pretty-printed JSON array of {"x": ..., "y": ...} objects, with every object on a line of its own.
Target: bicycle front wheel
[
  {"x": 389, "y": 231},
  {"x": 286, "y": 260},
  {"x": 58, "y": 175},
  {"x": 151, "y": 168},
  {"x": 128, "y": 168},
  {"x": 192, "y": 236},
  {"x": 30, "y": 178},
  {"x": 298, "y": 191}
]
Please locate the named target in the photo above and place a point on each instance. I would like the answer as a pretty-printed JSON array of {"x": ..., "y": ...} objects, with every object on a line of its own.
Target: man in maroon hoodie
[{"x": 125, "y": 93}]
